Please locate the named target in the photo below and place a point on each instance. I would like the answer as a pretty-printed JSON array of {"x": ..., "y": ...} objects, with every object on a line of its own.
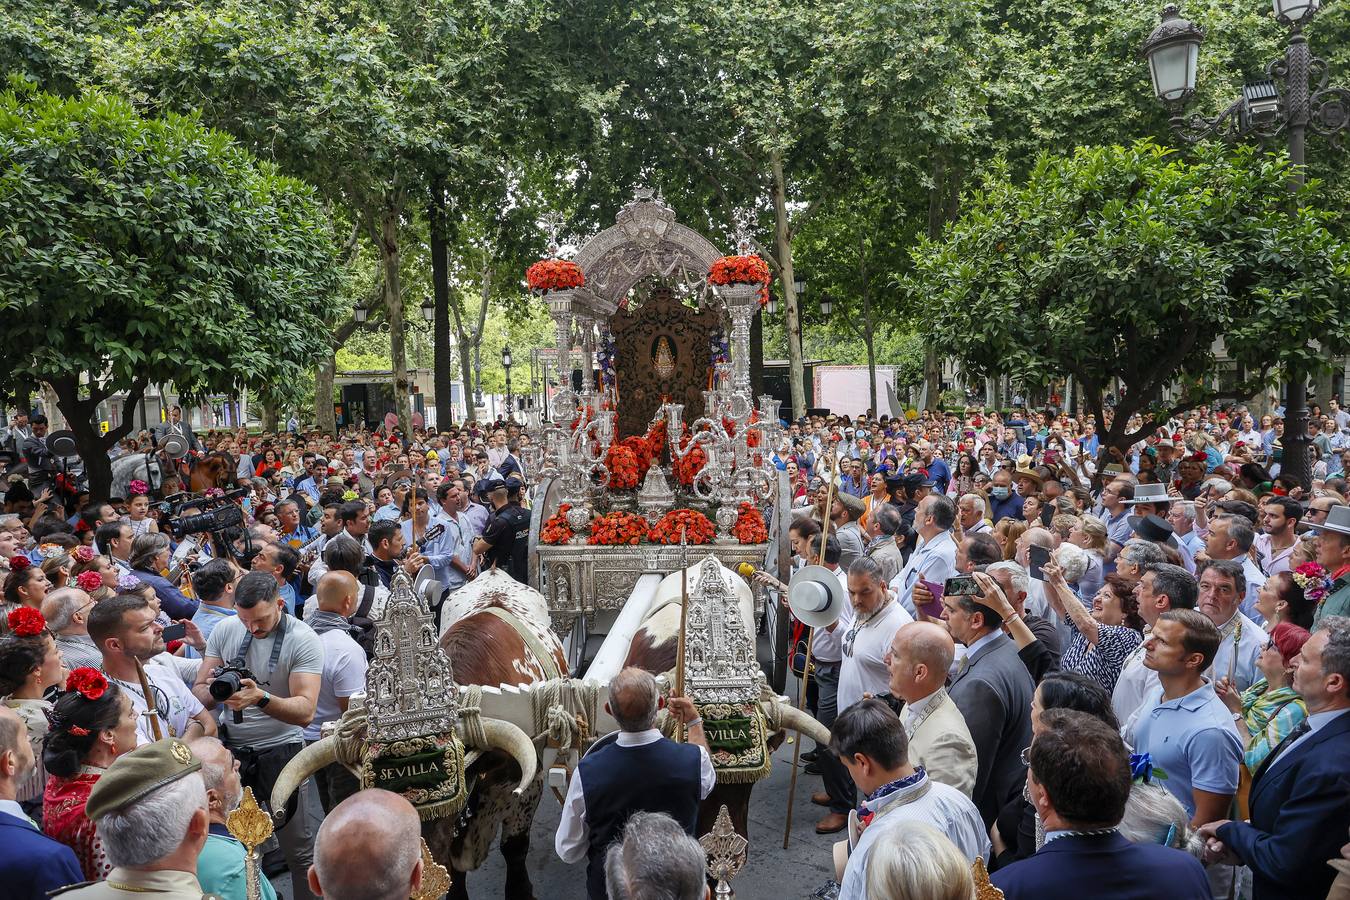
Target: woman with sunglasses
[{"x": 1270, "y": 709}]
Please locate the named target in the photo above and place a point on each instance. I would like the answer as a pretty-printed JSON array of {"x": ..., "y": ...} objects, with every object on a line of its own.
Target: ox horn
[
  {"x": 302, "y": 765},
  {"x": 508, "y": 738},
  {"x": 799, "y": 721}
]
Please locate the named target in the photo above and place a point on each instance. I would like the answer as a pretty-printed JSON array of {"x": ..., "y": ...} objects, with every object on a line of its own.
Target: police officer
[
  {"x": 505, "y": 541},
  {"x": 154, "y": 794}
]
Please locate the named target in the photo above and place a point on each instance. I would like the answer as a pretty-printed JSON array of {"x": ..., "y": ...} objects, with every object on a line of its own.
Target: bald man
[
  {"x": 344, "y": 673},
  {"x": 368, "y": 848},
  {"x": 920, "y": 655}
]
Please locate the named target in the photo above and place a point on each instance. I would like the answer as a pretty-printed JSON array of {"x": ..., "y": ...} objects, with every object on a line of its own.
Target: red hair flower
[
  {"x": 90, "y": 683},
  {"x": 19, "y": 563},
  {"x": 26, "y": 622},
  {"x": 137, "y": 488},
  {"x": 89, "y": 581},
  {"x": 78, "y": 731},
  {"x": 84, "y": 553}
]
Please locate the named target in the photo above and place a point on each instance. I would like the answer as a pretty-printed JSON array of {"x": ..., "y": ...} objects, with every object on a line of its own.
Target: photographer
[{"x": 275, "y": 666}]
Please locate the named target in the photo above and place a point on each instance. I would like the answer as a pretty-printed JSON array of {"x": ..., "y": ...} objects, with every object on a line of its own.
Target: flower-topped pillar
[
  {"x": 560, "y": 308},
  {"x": 740, "y": 281},
  {"x": 587, "y": 328}
]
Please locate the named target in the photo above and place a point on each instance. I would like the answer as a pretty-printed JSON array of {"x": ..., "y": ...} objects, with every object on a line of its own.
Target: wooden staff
[
  {"x": 150, "y": 706},
  {"x": 806, "y": 667}
]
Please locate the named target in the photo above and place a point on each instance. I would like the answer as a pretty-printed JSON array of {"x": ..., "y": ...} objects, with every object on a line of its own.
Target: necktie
[{"x": 1300, "y": 729}]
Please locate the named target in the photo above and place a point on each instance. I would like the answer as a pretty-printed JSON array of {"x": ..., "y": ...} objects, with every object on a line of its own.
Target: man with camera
[{"x": 265, "y": 667}]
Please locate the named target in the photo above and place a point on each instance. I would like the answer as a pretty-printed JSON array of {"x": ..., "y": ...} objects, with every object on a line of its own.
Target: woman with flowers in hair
[
  {"x": 86, "y": 560},
  {"x": 30, "y": 665},
  {"x": 90, "y": 725},
  {"x": 25, "y": 585},
  {"x": 1293, "y": 596}
]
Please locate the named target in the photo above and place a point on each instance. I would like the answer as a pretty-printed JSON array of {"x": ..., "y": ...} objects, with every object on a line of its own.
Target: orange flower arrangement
[
  {"x": 554, "y": 275},
  {"x": 618, "y": 528},
  {"x": 698, "y": 528},
  {"x": 752, "y": 438},
  {"x": 556, "y": 530},
  {"x": 688, "y": 467},
  {"x": 742, "y": 270},
  {"x": 624, "y": 466},
  {"x": 750, "y": 527}
]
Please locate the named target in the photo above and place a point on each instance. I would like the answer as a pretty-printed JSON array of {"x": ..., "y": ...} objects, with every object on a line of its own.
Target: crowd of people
[{"x": 1130, "y": 666}]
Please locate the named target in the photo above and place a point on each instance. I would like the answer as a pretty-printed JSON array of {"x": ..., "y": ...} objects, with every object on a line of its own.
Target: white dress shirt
[
  {"x": 934, "y": 560},
  {"x": 827, "y": 645},
  {"x": 573, "y": 832}
]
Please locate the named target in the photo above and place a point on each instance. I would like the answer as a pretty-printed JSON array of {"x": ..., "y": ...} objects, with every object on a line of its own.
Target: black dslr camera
[{"x": 227, "y": 680}]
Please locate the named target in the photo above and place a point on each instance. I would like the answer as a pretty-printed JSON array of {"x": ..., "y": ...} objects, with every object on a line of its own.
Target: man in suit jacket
[
  {"x": 1300, "y": 796},
  {"x": 31, "y": 864},
  {"x": 921, "y": 653},
  {"x": 1079, "y": 784},
  {"x": 993, "y": 689},
  {"x": 177, "y": 426}
]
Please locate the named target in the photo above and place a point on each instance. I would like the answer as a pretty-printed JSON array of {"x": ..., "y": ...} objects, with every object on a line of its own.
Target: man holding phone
[{"x": 933, "y": 560}]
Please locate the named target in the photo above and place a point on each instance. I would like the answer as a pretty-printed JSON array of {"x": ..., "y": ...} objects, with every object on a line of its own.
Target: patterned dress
[
  {"x": 1103, "y": 662},
  {"x": 64, "y": 820}
]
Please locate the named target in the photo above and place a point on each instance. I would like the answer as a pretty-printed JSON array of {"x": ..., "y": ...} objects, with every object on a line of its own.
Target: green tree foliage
[
  {"x": 1129, "y": 262},
  {"x": 151, "y": 250}
]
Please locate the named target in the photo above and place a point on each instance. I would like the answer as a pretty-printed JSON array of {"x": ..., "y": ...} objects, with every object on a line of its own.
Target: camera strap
[{"x": 276, "y": 647}]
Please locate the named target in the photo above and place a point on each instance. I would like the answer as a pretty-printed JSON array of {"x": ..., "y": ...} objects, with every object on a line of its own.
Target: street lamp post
[
  {"x": 506, "y": 364},
  {"x": 1263, "y": 111}
]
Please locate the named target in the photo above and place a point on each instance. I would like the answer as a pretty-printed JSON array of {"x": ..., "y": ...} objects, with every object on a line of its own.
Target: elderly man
[
  {"x": 1005, "y": 502},
  {"x": 67, "y": 613},
  {"x": 32, "y": 865},
  {"x": 993, "y": 689},
  {"x": 640, "y": 771},
  {"x": 1220, "y": 589},
  {"x": 220, "y": 867},
  {"x": 971, "y": 509},
  {"x": 368, "y": 848},
  {"x": 1300, "y": 797},
  {"x": 1230, "y": 537},
  {"x": 151, "y": 814},
  {"x": 656, "y": 858},
  {"x": 872, "y": 744},
  {"x": 919, "y": 657},
  {"x": 882, "y": 526},
  {"x": 1181, "y": 516},
  {"x": 844, "y": 516},
  {"x": 1333, "y": 552},
  {"x": 863, "y": 670},
  {"x": 934, "y": 559}
]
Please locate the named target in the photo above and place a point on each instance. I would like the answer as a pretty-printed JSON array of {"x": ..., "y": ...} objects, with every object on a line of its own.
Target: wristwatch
[{"x": 266, "y": 699}]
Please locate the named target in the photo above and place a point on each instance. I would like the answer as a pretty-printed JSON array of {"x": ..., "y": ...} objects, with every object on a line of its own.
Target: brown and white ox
[
  {"x": 498, "y": 634},
  {"x": 653, "y": 648}
]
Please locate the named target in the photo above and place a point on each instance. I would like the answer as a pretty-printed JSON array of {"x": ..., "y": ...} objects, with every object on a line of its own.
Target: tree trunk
[
  {"x": 93, "y": 447},
  {"x": 792, "y": 314},
  {"x": 325, "y": 419},
  {"x": 393, "y": 301},
  {"x": 443, "y": 378},
  {"x": 270, "y": 416}
]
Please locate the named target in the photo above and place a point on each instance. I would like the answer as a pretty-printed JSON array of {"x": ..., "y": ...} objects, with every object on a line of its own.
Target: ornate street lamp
[
  {"x": 1263, "y": 111},
  {"x": 826, "y": 304},
  {"x": 360, "y": 314},
  {"x": 429, "y": 310},
  {"x": 506, "y": 364}
]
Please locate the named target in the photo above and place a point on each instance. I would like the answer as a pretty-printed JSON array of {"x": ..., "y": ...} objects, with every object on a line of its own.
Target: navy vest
[{"x": 616, "y": 782}]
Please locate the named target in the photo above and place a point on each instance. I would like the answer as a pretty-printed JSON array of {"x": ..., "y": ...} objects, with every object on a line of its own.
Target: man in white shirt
[
  {"x": 344, "y": 673},
  {"x": 1220, "y": 590},
  {"x": 871, "y": 741},
  {"x": 638, "y": 770},
  {"x": 934, "y": 559},
  {"x": 1275, "y": 544}
]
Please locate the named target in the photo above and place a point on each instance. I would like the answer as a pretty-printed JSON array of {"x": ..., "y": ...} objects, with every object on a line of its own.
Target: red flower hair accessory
[
  {"x": 137, "y": 487},
  {"x": 89, "y": 683},
  {"x": 19, "y": 563},
  {"x": 89, "y": 581},
  {"x": 83, "y": 553},
  {"x": 26, "y": 622},
  {"x": 78, "y": 731}
]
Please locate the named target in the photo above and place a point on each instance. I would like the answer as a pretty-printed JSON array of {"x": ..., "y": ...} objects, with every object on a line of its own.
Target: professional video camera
[
  {"x": 219, "y": 513},
  {"x": 227, "y": 680}
]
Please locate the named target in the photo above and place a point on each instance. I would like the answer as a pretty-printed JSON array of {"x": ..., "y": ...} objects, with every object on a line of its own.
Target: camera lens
[{"x": 225, "y": 686}]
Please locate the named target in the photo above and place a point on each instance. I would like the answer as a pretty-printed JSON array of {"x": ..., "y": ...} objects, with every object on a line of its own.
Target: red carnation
[
  {"x": 90, "y": 683},
  {"x": 89, "y": 581},
  {"x": 26, "y": 622},
  {"x": 19, "y": 563}
]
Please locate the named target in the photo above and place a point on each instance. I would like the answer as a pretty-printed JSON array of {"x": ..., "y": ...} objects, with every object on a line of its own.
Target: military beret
[{"x": 135, "y": 774}]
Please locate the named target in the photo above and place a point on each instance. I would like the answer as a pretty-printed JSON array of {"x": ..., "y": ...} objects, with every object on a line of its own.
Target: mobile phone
[
  {"x": 1037, "y": 557},
  {"x": 174, "y": 632},
  {"x": 933, "y": 608},
  {"x": 961, "y": 586}
]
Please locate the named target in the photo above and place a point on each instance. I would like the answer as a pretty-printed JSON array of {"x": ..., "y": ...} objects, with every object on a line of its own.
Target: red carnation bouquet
[
  {"x": 19, "y": 563},
  {"x": 556, "y": 530},
  {"x": 90, "y": 683},
  {"x": 748, "y": 269},
  {"x": 690, "y": 523},
  {"x": 688, "y": 466},
  {"x": 26, "y": 622},
  {"x": 89, "y": 581},
  {"x": 750, "y": 527},
  {"x": 554, "y": 275},
  {"x": 618, "y": 527},
  {"x": 623, "y": 467}
]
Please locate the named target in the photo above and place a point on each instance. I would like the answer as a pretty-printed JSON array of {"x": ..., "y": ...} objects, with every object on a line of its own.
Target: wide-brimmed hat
[
  {"x": 1338, "y": 519},
  {"x": 1149, "y": 493},
  {"x": 1024, "y": 470},
  {"x": 1153, "y": 528}
]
